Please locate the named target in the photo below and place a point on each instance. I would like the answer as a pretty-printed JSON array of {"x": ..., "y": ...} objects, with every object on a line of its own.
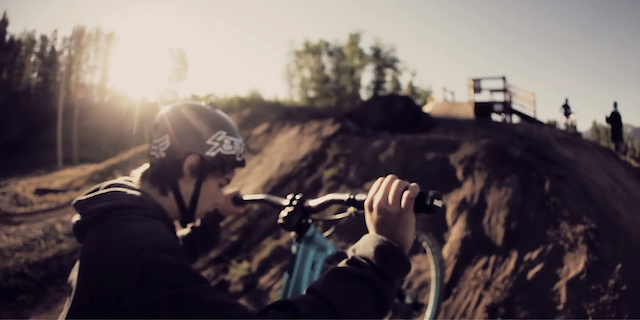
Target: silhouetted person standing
[
  {"x": 615, "y": 121},
  {"x": 567, "y": 109},
  {"x": 568, "y": 118}
]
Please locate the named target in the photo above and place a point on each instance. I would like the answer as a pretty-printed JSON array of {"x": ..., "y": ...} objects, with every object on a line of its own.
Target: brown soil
[
  {"x": 539, "y": 223},
  {"x": 37, "y": 247}
]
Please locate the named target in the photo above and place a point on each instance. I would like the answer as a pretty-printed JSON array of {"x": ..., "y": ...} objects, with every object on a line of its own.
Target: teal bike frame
[
  {"x": 310, "y": 249},
  {"x": 307, "y": 260}
]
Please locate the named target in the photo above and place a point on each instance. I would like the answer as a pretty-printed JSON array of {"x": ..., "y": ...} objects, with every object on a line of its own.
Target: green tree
[
  {"x": 4, "y": 24},
  {"x": 4, "y": 48},
  {"x": 23, "y": 77},
  {"x": 320, "y": 80},
  {"x": 356, "y": 61},
  {"x": 78, "y": 60},
  {"x": 307, "y": 74},
  {"x": 37, "y": 72},
  {"x": 322, "y": 73},
  {"x": 385, "y": 62},
  {"x": 40, "y": 66},
  {"x": 394, "y": 84},
  {"x": 83, "y": 61},
  {"x": 338, "y": 69},
  {"x": 419, "y": 95}
]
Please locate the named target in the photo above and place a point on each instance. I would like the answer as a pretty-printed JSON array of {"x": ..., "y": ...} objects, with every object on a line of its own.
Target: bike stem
[{"x": 294, "y": 217}]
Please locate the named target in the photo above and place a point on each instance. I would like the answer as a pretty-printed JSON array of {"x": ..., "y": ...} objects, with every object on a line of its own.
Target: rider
[
  {"x": 133, "y": 263},
  {"x": 567, "y": 113},
  {"x": 615, "y": 120},
  {"x": 566, "y": 108}
]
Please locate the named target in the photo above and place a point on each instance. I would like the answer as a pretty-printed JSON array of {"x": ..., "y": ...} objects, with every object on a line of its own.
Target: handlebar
[{"x": 427, "y": 202}]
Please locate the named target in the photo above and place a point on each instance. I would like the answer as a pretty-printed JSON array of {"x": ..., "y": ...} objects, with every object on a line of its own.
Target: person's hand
[
  {"x": 389, "y": 210},
  {"x": 226, "y": 207}
]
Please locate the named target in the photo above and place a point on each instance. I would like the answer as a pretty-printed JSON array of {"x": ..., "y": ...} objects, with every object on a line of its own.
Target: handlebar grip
[
  {"x": 237, "y": 201},
  {"x": 428, "y": 202}
]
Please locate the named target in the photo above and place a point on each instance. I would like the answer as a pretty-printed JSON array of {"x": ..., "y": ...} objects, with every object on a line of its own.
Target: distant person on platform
[
  {"x": 615, "y": 121},
  {"x": 566, "y": 109},
  {"x": 568, "y": 118}
]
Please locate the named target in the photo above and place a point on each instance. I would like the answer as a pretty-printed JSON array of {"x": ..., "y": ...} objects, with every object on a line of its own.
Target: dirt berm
[{"x": 538, "y": 224}]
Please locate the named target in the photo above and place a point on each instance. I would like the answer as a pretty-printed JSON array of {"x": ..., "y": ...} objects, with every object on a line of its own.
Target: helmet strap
[{"x": 187, "y": 214}]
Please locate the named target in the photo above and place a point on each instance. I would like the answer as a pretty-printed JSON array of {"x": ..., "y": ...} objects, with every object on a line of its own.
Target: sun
[
  {"x": 140, "y": 68},
  {"x": 141, "y": 60}
]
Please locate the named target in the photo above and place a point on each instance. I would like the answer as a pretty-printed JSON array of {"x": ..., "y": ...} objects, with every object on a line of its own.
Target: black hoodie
[{"x": 132, "y": 264}]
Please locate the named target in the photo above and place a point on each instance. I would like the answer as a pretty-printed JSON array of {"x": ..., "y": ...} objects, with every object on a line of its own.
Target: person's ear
[{"x": 190, "y": 167}]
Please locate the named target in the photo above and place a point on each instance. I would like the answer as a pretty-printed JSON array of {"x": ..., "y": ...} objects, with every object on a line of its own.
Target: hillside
[{"x": 538, "y": 223}]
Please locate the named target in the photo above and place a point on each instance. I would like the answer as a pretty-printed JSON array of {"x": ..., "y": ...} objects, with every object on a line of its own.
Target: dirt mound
[
  {"x": 37, "y": 247},
  {"x": 449, "y": 109},
  {"x": 538, "y": 223},
  {"x": 57, "y": 189},
  {"x": 391, "y": 112}
]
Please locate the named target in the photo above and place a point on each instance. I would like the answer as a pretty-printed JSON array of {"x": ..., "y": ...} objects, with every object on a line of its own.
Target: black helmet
[{"x": 188, "y": 128}]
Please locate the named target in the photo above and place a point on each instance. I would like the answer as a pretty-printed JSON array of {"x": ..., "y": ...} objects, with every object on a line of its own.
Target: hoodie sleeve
[{"x": 163, "y": 284}]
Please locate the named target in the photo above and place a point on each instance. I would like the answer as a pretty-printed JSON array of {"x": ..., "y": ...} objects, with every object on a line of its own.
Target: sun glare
[
  {"x": 141, "y": 62},
  {"x": 220, "y": 58},
  {"x": 139, "y": 70}
]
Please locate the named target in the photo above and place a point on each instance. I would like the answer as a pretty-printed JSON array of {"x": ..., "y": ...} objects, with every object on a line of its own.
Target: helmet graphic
[{"x": 193, "y": 128}]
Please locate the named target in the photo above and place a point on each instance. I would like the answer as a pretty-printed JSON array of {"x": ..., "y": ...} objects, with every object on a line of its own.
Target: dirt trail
[
  {"x": 539, "y": 223},
  {"x": 36, "y": 244}
]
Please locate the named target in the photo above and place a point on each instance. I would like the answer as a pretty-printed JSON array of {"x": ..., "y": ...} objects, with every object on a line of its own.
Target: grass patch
[
  {"x": 329, "y": 174},
  {"x": 32, "y": 265}
]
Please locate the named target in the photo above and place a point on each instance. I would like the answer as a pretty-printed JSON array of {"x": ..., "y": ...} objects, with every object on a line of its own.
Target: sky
[{"x": 586, "y": 51}]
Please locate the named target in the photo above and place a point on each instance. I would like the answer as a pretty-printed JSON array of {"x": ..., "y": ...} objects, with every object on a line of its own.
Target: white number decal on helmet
[{"x": 225, "y": 144}]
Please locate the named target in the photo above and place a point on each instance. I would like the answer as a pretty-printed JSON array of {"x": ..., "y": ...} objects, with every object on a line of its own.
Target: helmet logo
[
  {"x": 159, "y": 146},
  {"x": 225, "y": 144}
]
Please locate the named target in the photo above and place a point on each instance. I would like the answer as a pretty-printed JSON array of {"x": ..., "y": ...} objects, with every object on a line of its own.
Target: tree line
[
  {"x": 324, "y": 73},
  {"x": 57, "y": 109},
  {"x": 55, "y": 105}
]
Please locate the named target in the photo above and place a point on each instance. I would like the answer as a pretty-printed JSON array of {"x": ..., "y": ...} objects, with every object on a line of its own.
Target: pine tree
[
  {"x": 41, "y": 71},
  {"x": 105, "y": 59},
  {"x": 307, "y": 73},
  {"x": 4, "y": 24},
  {"x": 384, "y": 61},
  {"x": 23, "y": 77},
  {"x": 4, "y": 48},
  {"x": 337, "y": 73},
  {"x": 5, "y": 60},
  {"x": 394, "y": 84},
  {"x": 356, "y": 60},
  {"x": 78, "y": 47}
]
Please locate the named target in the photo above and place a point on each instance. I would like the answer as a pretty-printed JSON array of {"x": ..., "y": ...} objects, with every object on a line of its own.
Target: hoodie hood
[{"x": 111, "y": 199}]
